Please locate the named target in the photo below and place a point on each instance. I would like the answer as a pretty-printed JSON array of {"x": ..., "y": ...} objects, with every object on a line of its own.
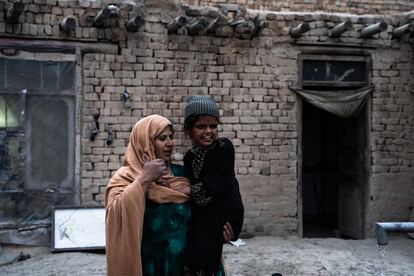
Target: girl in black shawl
[{"x": 214, "y": 188}]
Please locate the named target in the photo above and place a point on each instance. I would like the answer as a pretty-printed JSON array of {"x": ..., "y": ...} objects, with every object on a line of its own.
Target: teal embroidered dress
[{"x": 165, "y": 235}]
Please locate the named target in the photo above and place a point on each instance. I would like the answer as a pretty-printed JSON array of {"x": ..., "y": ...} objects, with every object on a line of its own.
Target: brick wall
[
  {"x": 249, "y": 79},
  {"x": 392, "y": 136},
  {"x": 355, "y": 7}
]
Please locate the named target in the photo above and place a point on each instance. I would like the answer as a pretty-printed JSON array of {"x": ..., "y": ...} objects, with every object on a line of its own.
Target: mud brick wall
[
  {"x": 392, "y": 137},
  {"x": 249, "y": 78},
  {"x": 356, "y": 7}
]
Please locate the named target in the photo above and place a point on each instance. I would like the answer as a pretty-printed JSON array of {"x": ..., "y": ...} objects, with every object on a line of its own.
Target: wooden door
[{"x": 351, "y": 177}]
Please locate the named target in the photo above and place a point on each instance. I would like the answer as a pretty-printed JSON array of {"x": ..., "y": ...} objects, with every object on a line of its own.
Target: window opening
[
  {"x": 37, "y": 138},
  {"x": 334, "y": 73}
]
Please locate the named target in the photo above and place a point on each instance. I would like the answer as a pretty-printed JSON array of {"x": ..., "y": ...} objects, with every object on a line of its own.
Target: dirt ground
[{"x": 260, "y": 256}]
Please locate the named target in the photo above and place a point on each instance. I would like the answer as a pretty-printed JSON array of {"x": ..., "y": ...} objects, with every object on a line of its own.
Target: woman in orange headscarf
[{"x": 147, "y": 211}]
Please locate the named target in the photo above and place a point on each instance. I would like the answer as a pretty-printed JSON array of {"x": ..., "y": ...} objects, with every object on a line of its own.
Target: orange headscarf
[{"x": 125, "y": 199}]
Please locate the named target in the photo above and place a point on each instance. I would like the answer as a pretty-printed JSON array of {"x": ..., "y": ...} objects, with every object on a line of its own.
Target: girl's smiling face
[{"x": 205, "y": 131}]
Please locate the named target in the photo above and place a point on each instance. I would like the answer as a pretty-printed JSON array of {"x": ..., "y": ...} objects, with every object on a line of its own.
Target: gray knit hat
[{"x": 201, "y": 105}]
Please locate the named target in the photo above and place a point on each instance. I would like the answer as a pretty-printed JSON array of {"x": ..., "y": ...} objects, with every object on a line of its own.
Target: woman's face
[
  {"x": 204, "y": 132},
  {"x": 164, "y": 144}
]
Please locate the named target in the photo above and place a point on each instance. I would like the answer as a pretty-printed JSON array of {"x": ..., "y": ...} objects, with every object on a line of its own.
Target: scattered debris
[{"x": 238, "y": 243}]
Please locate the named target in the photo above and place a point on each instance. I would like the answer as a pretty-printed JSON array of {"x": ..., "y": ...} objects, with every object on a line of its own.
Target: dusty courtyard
[{"x": 260, "y": 256}]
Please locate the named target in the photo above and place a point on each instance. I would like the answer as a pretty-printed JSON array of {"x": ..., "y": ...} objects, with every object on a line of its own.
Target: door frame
[{"x": 341, "y": 54}]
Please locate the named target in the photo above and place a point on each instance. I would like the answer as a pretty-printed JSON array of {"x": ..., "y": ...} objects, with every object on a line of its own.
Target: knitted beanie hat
[{"x": 201, "y": 105}]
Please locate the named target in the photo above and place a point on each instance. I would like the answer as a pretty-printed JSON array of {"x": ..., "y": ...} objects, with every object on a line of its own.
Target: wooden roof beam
[
  {"x": 68, "y": 24},
  {"x": 176, "y": 23},
  {"x": 135, "y": 23},
  {"x": 299, "y": 30},
  {"x": 341, "y": 28},
  {"x": 400, "y": 31},
  {"x": 374, "y": 29}
]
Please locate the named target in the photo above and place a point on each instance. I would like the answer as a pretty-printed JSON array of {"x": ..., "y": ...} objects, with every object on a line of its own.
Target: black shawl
[{"x": 216, "y": 200}]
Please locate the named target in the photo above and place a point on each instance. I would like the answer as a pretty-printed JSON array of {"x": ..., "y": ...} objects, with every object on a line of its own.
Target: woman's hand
[
  {"x": 152, "y": 171},
  {"x": 228, "y": 234},
  {"x": 155, "y": 169}
]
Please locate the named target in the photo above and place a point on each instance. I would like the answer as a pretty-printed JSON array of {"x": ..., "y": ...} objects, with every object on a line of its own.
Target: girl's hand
[{"x": 228, "y": 234}]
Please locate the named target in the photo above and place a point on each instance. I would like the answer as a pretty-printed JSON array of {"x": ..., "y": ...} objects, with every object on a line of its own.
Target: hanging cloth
[{"x": 342, "y": 103}]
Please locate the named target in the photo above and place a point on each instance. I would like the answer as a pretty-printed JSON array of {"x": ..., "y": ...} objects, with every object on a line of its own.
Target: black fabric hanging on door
[{"x": 342, "y": 103}]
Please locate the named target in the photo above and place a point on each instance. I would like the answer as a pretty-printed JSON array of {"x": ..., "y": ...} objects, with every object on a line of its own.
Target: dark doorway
[
  {"x": 332, "y": 174},
  {"x": 334, "y": 150}
]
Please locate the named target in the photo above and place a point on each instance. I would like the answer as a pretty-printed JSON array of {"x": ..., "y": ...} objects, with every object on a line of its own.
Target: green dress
[{"x": 165, "y": 235}]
